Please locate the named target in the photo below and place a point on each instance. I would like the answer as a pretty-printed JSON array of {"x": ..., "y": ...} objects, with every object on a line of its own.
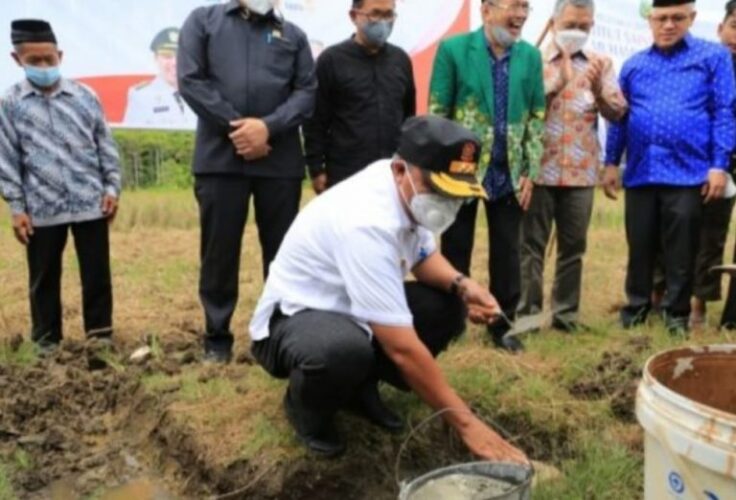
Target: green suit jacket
[{"x": 462, "y": 90}]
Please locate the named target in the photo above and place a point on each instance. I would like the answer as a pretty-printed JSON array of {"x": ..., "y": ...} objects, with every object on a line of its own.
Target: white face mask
[
  {"x": 572, "y": 41},
  {"x": 433, "y": 211},
  {"x": 261, "y": 7}
]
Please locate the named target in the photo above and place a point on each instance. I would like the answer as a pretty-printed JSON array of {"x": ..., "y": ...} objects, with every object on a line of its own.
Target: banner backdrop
[
  {"x": 621, "y": 27},
  {"x": 107, "y": 44}
]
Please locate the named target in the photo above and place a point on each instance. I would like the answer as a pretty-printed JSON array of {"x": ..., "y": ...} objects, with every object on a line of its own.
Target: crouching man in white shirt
[{"x": 336, "y": 316}]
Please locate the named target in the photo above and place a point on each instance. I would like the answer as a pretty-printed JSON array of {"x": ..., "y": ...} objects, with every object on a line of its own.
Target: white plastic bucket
[{"x": 687, "y": 406}]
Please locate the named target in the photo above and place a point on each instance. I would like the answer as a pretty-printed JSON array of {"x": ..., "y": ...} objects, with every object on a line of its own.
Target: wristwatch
[{"x": 455, "y": 285}]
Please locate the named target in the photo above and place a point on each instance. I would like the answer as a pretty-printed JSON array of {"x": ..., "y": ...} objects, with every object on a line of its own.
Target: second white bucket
[{"x": 687, "y": 406}]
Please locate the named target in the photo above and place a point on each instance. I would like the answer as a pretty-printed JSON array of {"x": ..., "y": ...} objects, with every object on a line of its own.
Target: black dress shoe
[
  {"x": 217, "y": 356},
  {"x": 509, "y": 343},
  {"x": 633, "y": 317},
  {"x": 369, "y": 405},
  {"x": 218, "y": 348},
  {"x": 677, "y": 326},
  {"x": 46, "y": 349},
  {"x": 317, "y": 433},
  {"x": 569, "y": 326}
]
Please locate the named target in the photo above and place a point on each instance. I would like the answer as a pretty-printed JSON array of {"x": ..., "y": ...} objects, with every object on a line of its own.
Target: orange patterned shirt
[{"x": 572, "y": 152}]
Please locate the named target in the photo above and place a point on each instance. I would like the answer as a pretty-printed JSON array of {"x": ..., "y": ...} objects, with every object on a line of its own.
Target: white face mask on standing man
[
  {"x": 572, "y": 27},
  {"x": 572, "y": 41},
  {"x": 260, "y": 7}
]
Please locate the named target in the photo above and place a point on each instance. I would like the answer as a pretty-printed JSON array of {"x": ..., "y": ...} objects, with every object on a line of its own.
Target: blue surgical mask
[
  {"x": 43, "y": 77},
  {"x": 377, "y": 32}
]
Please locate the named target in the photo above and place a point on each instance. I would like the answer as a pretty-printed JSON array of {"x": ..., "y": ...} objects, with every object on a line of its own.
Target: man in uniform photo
[{"x": 157, "y": 103}]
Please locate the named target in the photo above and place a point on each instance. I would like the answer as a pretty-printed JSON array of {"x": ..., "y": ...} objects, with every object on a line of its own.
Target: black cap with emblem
[
  {"x": 670, "y": 3},
  {"x": 446, "y": 149},
  {"x": 167, "y": 40},
  {"x": 31, "y": 31}
]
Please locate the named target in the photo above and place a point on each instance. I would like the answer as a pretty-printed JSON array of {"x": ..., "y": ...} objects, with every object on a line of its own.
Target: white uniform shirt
[
  {"x": 347, "y": 252},
  {"x": 156, "y": 104}
]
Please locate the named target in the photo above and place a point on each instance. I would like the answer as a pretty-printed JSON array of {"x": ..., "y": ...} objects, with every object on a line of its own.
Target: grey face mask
[
  {"x": 502, "y": 36},
  {"x": 377, "y": 32}
]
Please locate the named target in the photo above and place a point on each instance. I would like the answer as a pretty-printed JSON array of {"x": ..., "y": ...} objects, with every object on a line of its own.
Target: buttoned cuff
[
  {"x": 316, "y": 170},
  {"x": 112, "y": 191},
  {"x": 272, "y": 124}
]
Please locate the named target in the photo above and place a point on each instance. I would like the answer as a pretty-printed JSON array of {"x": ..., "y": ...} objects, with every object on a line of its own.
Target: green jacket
[{"x": 462, "y": 90}]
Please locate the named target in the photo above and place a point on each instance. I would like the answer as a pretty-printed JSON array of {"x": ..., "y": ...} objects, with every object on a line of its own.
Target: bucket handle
[{"x": 487, "y": 420}]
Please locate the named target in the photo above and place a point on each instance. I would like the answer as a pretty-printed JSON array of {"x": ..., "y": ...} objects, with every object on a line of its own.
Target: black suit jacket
[{"x": 230, "y": 66}]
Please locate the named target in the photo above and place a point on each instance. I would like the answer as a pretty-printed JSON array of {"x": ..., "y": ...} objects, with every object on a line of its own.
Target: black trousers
[
  {"x": 223, "y": 211},
  {"x": 504, "y": 218},
  {"x": 666, "y": 217},
  {"x": 728, "y": 320},
  {"x": 327, "y": 357},
  {"x": 716, "y": 218},
  {"x": 45, "y": 254},
  {"x": 711, "y": 249}
]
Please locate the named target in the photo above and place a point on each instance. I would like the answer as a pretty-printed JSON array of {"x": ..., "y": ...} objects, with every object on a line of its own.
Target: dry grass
[
  {"x": 155, "y": 260},
  {"x": 155, "y": 253}
]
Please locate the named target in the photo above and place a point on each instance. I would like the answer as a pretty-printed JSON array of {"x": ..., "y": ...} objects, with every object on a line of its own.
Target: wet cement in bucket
[
  {"x": 462, "y": 487},
  {"x": 702, "y": 375}
]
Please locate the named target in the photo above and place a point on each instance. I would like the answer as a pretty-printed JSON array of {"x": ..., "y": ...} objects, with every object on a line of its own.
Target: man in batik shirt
[{"x": 580, "y": 85}]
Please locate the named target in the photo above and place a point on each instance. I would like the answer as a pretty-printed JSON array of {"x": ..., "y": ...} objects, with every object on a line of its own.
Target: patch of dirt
[
  {"x": 616, "y": 378},
  {"x": 366, "y": 472},
  {"x": 623, "y": 401},
  {"x": 80, "y": 422},
  {"x": 66, "y": 422}
]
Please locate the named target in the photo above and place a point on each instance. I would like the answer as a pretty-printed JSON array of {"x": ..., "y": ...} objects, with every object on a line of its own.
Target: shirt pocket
[
  {"x": 280, "y": 57},
  {"x": 396, "y": 84}
]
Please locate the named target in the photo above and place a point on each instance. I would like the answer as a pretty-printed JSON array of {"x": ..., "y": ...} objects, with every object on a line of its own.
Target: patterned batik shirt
[
  {"x": 57, "y": 155},
  {"x": 497, "y": 181},
  {"x": 572, "y": 153},
  {"x": 680, "y": 122}
]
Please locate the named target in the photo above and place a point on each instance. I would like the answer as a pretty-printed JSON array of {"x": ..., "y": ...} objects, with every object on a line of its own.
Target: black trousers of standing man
[
  {"x": 728, "y": 320},
  {"x": 504, "y": 234},
  {"x": 223, "y": 211},
  {"x": 669, "y": 216},
  {"x": 45, "y": 255}
]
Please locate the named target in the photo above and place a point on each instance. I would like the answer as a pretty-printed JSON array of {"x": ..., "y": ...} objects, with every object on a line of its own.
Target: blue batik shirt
[
  {"x": 497, "y": 181},
  {"x": 681, "y": 115},
  {"x": 57, "y": 155}
]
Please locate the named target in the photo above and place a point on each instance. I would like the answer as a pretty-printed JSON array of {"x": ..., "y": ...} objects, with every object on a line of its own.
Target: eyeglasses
[
  {"x": 676, "y": 19},
  {"x": 375, "y": 16},
  {"x": 523, "y": 7}
]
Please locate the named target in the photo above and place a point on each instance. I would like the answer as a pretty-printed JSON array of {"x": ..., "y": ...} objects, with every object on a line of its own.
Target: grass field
[{"x": 568, "y": 401}]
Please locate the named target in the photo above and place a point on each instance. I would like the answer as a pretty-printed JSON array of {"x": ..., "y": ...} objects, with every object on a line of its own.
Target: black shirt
[
  {"x": 362, "y": 101},
  {"x": 234, "y": 66}
]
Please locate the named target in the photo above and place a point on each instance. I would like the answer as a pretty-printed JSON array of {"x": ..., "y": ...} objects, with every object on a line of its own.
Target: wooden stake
[{"x": 546, "y": 31}]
